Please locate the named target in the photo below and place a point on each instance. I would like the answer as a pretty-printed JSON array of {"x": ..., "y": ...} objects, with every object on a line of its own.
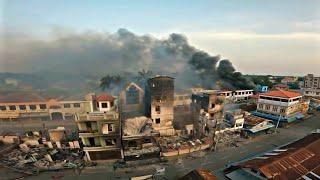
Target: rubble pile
[
  {"x": 137, "y": 125},
  {"x": 228, "y": 139},
  {"x": 36, "y": 159}
]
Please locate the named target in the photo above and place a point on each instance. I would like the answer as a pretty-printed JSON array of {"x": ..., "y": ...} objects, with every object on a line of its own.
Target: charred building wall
[{"x": 159, "y": 97}]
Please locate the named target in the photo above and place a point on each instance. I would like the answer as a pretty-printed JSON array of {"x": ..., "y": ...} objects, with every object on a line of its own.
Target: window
[
  {"x": 104, "y": 105},
  {"x": 88, "y": 125},
  {"x": 76, "y": 105},
  {"x": 66, "y": 105},
  {"x": 91, "y": 141},
  {"x": 22, "y": 107},
  {"x": 157, "y": 120},
  {"x": 97, "y": 104},
  {"x": 3, "y": 108},
  {"x": 32, "y": 107},
  {"x": 260, "y": 106},
  {"x": 275, "y": 108},
  {"x": 213, "y": 105},
  {"x": 158, "y": 109},
  {"x": 43, "y": 106},
  {"x": 111, "y": 104},
  {"x": 282, "y": 110},
  {"x": 12, "y": 108},
  {"x": 238, "y": 124},
  {"x": 267, "y": 107},
  {"x": 110, "y": 127}
]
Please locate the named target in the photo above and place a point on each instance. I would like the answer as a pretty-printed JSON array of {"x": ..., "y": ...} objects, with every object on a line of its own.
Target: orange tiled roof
[
  {"x": 282, "y": 93},
  {"x": 105, "y": 97}
]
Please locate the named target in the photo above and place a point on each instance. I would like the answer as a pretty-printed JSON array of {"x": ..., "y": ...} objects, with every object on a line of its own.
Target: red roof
[
  {"x": 105, "y": 97},
  {"x": 282, "y": 93}
]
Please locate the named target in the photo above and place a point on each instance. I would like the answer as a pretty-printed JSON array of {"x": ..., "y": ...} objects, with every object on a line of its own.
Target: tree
[{"x": 108, "y": 80}]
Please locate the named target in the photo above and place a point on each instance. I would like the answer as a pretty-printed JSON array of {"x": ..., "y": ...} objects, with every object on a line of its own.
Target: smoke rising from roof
[{"x": 123, "y": 52}]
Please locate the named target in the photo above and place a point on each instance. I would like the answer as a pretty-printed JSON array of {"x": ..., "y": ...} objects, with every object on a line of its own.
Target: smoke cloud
[{"x": 124, "y": 53}]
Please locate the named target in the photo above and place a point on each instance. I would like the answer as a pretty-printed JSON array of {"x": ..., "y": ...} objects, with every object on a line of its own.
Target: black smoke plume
[{"x": 122, "y": 53}]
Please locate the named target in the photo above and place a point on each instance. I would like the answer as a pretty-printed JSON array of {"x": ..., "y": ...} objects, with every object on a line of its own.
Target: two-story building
[{"x": 280, "y": 105}]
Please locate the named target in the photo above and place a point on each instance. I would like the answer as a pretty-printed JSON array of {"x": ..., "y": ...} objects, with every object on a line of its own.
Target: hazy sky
[{"x": 262, "y": 37}]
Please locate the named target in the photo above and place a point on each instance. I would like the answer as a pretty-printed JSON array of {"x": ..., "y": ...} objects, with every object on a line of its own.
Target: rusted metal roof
[
  {"x": 199, "y": 174},
  {"x": 293, "y": 161}
]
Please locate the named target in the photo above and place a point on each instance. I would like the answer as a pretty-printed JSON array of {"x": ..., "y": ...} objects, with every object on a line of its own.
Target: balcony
[
  {"x": 100, "y": 148},
  {"x": 98, "y": 117}
]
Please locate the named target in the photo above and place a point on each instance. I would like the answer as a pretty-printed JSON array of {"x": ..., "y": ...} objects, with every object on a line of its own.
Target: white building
[
  {"x": 286, "y": 106},
  {"x": 105, "y": 103},
  {"x": 311, "y": 86},
  {"x": 239, "y": 95}
]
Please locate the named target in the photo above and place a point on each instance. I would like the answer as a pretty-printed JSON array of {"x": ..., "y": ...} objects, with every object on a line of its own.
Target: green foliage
[
  {"x": 109, "y": 80},
  {"x": 262, "y": 80}
]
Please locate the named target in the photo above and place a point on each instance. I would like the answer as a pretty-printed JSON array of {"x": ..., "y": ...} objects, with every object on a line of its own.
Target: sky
[{"x": 259, "y": 37}]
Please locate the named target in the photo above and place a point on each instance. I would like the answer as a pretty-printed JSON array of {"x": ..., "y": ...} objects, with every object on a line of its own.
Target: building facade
[
  {"x": 207, "y": 110},
  {"x": 311, "y": 86},
  {"x": 241, "y": 95},
  {"x": 132, "y": 101},
  {"x": 159, "y": 101},
  {"x": 35, "y": 107},
  {"x": 100, "y": 133},
  {"x": 280, "y": 105}
]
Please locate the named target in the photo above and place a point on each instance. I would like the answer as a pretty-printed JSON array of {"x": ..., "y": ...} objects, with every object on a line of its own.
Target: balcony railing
[{"x": 98, "y": 116}]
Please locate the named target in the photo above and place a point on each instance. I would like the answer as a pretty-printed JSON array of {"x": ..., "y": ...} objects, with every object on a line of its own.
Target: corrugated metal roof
[{"x": 300, "y": 158}]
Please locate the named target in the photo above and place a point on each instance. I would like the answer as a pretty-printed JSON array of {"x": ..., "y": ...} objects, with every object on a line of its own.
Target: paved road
[{"x": 213, "y": 161}]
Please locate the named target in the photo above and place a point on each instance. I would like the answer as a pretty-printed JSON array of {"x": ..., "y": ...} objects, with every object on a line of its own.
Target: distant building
[
  {"x": 297, "y": 160},
  {"x": 281, "y": 87},
  {"x": 11, "y": 82},
  {"x": 240, "y": 95},
  {"x": 21, "y": 106},
  {"x": 261, "y": 88},
  {"x": 286, "y": 106},
  {"x": 289, "y": 79},
  {"x": 159, "y": 101},
  {"x": 311, "y": 87},
  {"x": 99, "y": 132}
]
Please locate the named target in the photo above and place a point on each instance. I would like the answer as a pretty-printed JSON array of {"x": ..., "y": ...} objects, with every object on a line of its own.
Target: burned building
[
  {"x": 139, "y": 139},
  {"x": 207, "y": 110},
  {"x": 100, "y": 131},
  {"x": 159, "y": 100},
  {"x": 132, "y": 101}
]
